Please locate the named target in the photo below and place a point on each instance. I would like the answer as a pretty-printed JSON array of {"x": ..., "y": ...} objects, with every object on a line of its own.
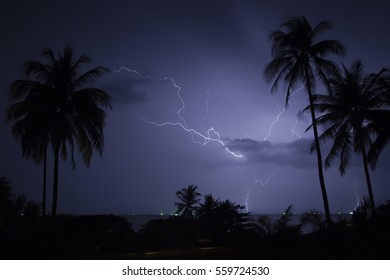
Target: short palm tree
[
  {"x": 354, "y": 98},
  {"x": 298, "y": 57},
  {"x": 61, "y": 100},
  {"x": 208, "y": 207},
  {"x": 189, "y": 201}
]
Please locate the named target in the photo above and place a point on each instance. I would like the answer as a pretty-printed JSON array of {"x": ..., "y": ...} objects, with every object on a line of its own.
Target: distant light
[
  {"x": 350, "y": 213},
  {"x": 22, "y": 214},
  {"x": 339, "y": 213},
  {"x": 175, "y": 214},
  {"x": 161, "y": 214}
]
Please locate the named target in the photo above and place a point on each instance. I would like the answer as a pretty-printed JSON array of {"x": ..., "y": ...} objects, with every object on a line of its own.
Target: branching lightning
[
  {"x": 210, "y": 135},
  {"x": 293, "y": 134}
]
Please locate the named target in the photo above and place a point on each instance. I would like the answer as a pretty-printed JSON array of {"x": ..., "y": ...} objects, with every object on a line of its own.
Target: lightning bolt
[
  {"x": 210, "y": 135},
  {"x": 293, "y": 132},
  {"x": 358, "y": 202},
  {"x": 281, "y": 113},
  {"x": 263, "y": 183},
  {"x": 274, "y": 121}
]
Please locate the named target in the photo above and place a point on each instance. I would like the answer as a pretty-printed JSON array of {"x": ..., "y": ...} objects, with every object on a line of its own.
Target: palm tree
[
  {"x": 189, "y": 201},
  {"x": 230, "y": 215},
  {"x": 354, "y": 98},
  {"x": 298, "y": 57},
  {"x": 208, "y": 207},
  {"x": 70, "y": 110},
  {"x": 380, "y": 123},
  {"x": 380, "y": 118},
  {"x": 31, "y": 127}
]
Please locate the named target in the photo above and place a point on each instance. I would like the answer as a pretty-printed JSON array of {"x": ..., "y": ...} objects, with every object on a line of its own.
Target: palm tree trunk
[
  {"x": 55, "y": 180},
  {"x": 368, "y": 180},
  {"x": 44, "y": 183},
  {"x": 318, "y": 151}
]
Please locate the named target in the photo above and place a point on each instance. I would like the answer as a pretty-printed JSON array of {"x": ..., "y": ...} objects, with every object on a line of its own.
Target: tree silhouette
[
  {"x": 380, "y": 118},
  {"x": 299, "y": 58},
  {"x": 5, "y": 199},
  {"x": 63, "y": 101},
  {"x": 208, "y": 207},
  {"x": 231, "y": 215},
  {"x": 353, "y": 98},
  {"x": 189, "y": 198},
  {"x": 31, "y": 125}
]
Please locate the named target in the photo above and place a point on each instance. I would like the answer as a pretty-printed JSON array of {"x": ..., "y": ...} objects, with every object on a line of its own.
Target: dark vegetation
[
  {"x": 215, "y": 230},
  {"x": 56, "y": 109}
]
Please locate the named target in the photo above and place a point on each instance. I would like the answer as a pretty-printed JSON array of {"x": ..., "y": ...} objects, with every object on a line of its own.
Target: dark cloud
[
  {"x": 125, "y": 91},
  {"x": 295, "y": 153},
  {"x": 127, "y": 86}
]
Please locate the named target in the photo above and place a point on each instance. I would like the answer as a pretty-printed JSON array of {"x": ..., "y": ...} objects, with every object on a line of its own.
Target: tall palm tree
[
  {"x": 380, "y": 119},
  {"x": 189, "y": 198},
  {"x": 70, "y": 109},
  {"x": 298, "y": 57},
  {"x": 354, "y": 98},
  {"x": 31, "y": 128},
  {"x": 380, "y": 123}
]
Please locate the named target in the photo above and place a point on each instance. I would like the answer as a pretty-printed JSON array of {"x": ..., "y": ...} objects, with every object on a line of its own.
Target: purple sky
[{"x": 214, "y": 52}]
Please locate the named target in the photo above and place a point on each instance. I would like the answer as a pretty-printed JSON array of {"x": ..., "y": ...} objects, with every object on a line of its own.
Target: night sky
[{"x": 209, "y": 55}]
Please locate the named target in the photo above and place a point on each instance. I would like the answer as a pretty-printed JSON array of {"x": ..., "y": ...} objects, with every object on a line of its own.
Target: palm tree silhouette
[
  {"x": 31, "y": 124},
  {"x": 380, "y": 118},
  {"x": 189, "y": 201},
  {"x": 353, "y": 99},
  {"x": 66, "y": 106},
  {"x": 299, "y": 58},
  {"x": 208, "y": 207},
  {"x": 380, "y": 123}
]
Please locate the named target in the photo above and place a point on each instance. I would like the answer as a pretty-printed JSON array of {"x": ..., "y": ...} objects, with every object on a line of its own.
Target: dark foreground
[{"x": 111, "y": 237}]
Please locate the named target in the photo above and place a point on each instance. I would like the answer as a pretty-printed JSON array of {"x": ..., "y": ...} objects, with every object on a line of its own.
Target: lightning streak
[
  {"x": 207, "y": 137},
  {"x": 263, "y": 183},
  {"x": 210, "y": 135},
  {"x": 293, "y": 132},
  {"x": 357, "y": 197},
  {"x": 281, "y": 113},
  {"x": 273, "y": 122}
]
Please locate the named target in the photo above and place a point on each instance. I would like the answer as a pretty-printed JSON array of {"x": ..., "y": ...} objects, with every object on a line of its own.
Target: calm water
[{"x": 138, "y": 221}]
